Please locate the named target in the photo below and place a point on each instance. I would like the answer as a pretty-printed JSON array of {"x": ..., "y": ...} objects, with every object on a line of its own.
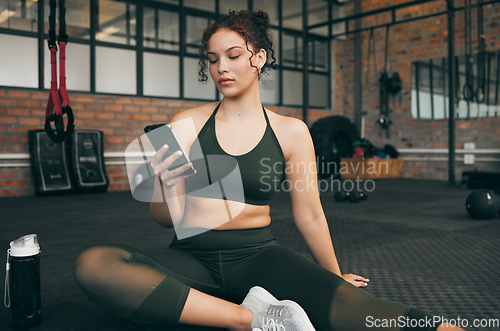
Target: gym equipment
[
  {"x": 482, "y": 204},
  {"x": 353, "y": 195},
  {"x": 480, "y": 93},
  {"x": 468, "y": 88},
  {"x": 341, "y": 196},
  {"x": 391, "y": 151},
  {"x": 333, "y": 137},
  {"x": 87, "y": 160},
  {"x": 58, "y": 103},
  {"x": 481, "y": 179},
  {"x": 49, "y": 164}
]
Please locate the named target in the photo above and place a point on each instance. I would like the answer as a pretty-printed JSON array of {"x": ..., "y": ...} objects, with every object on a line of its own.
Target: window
[
  {"x": 195, "y": 25},
  {"x": 115, "y": 70},
  {"x": 116, "y": 22},
  {"x": 19, "y": 15},
  {"x": 208, "y": 5},
  {"x": 161, "y": 75},
  {"x": 270, "y": 7},
  {"x": 226, "y": 5},
  {"x": 292, "y": 14},
  {"x": 161, "y": 29},
  {"x": 21, "y": 68},
  {"x": 102, "y": 57},
  {"x": 292, "y": 49},
  {"x": 430, "y": 88}
]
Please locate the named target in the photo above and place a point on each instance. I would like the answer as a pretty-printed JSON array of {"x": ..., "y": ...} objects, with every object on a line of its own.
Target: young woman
[{"x": 231, "y": 271}]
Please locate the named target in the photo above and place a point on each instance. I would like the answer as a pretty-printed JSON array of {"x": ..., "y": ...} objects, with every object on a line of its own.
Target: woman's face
[{"x": 229, "y": 65}]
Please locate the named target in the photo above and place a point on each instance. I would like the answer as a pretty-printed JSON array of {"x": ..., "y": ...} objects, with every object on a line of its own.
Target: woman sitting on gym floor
[{"x": 232, "y": 273}]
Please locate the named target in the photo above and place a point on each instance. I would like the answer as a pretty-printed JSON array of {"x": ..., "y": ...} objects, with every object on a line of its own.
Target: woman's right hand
[{"x": 160, "y": 168}]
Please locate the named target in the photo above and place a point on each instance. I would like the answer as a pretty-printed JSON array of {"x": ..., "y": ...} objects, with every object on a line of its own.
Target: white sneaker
[{"x": 271, "y": 314}]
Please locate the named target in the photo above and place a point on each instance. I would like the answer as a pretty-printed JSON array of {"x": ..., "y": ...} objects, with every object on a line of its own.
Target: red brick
[
  {"x": 94, "y": 106},
  {"x": 142, "y": 117},
  {"x": 30, "y": 103},
  {"x": 150, "y": 109},
  {"x": 119, "y": 178},
  {"x": 8, "y": 102},
  {"x": 124, "y": 116},
  {"x": 8, "y": 193},
  {"x": 141, "y": 101},
  {"x": 115, "y": 124},
  {"x": 115, "y": 140},
  {"x": 8, "y": 120},
  {"x": 123, "y": 100},
  {"x": 113, "y": 107},
  {"x": 175, "y": 103},
  {"x": 85, "y": 114},
  {"x": 30, "y": 121},
  {"x": 10, "y": 139},
  {"x": 95, "y": 123},
  {"x": 16, "y": 183},
  {"x": 105, "y": 99},
  {"x": 84, "y": 98},
  {"x": 160, "y": 118},
  {"x": 463, "y": 125},
  {"x": 105, "y": 115},
  {"x": 76, "y": 106},
  {"x": 159, "y": 102},
  {"x": 19, "y": 94},
  {"x": 8, "y": 174},
  {"x": 38, "y": 113},
  {"x": 133, "y": 109},
  {"x": 2, "y": 93},
  {"x": 107, "y": 131},
  {"x": 18, "y": 111},
  {"x": 18, "y": 129},
  {"x": 114, "y": 170},
  {"x": 40, "y": 96}
]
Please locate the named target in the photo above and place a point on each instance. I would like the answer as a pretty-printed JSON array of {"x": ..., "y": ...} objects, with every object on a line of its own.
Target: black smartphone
[{"x": 161, "y": 134}]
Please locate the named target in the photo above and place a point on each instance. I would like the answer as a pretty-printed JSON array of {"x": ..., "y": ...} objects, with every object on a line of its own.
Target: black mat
[{"x": 413, "y": 239}]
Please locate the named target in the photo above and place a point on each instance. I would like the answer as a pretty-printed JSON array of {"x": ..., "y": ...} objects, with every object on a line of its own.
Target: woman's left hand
[{"x": 356, "y": 280}]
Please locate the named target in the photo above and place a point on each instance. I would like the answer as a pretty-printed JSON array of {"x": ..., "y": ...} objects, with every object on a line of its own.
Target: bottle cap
[{"x": 25, "y": 246}]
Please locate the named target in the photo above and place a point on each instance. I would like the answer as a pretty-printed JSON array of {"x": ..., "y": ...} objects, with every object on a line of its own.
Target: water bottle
[{"x": 22, "y": 282}]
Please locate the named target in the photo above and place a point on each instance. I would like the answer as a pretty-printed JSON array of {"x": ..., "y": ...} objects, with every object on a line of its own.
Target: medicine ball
[{"x": 482, "y": 204}]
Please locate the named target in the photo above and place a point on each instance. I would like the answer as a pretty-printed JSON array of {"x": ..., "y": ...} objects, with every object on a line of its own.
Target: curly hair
[{"x": 252, "y": 26}]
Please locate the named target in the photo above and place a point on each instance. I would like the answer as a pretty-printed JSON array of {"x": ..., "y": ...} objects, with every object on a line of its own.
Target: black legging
[{"x": 154, "y": 286}]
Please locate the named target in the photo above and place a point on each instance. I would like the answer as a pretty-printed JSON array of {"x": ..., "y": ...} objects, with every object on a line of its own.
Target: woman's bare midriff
[{"x": 223, "y": 214}]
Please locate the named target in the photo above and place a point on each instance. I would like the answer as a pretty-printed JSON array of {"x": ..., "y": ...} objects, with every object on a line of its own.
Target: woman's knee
[{"x": 94, "y": 264}]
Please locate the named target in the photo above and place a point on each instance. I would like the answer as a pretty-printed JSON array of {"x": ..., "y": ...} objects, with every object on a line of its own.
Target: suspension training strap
[
  {"x": 369, "y": 72},
  {"x": 481, "y": 55},
  {"x": 55, "y": 110},
  {"x": 467, "y": 91}
]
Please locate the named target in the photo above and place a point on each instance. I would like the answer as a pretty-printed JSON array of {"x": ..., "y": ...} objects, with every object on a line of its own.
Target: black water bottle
[{"x": 22, "y": 283}]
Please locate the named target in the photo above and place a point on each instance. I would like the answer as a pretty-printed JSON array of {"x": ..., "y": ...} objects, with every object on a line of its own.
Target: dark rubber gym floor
[{"x": 413, "y": 239}]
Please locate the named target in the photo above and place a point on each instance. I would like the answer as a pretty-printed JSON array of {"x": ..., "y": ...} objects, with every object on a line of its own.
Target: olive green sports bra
[{"x": 262, "y": 170}]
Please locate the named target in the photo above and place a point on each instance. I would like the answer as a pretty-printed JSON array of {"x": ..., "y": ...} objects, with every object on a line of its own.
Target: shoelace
[
  {"x": 271, "y": 325},
  {"x": 275, "y": 310}
]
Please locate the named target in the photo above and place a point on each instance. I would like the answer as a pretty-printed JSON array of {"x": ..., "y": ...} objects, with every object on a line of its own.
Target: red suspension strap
[{"x": 58, "y": 103}]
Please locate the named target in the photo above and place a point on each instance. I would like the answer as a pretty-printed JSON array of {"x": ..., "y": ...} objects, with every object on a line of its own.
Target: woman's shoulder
[
  {"x": 288, "y": 130},
  {"x": 198, "y": 115}
]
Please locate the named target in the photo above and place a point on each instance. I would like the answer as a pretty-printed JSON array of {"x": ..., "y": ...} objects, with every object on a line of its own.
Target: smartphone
[{"x": 161, "y": 134}]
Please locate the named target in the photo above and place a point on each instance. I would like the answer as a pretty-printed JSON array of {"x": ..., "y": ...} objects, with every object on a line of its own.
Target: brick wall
[
  {"x": 121, "y": 119},
  {"x": 408, "y": 42}
]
